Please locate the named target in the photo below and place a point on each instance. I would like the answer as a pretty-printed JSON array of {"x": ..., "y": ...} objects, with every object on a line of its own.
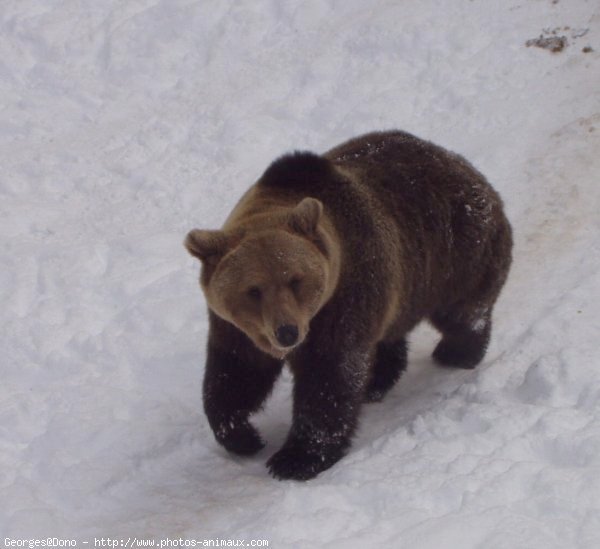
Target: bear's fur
[{"x": 327, "y": 262}]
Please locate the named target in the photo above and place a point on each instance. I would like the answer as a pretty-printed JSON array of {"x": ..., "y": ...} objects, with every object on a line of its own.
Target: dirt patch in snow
[
  {"x": 555, "y": 40},
  {"x": 552, "y": 43}
]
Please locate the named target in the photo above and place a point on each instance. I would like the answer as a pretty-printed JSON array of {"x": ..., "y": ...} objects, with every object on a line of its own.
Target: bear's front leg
[
  {"x": 237, "y": 380},
  {"x": 328, "y": 392}
]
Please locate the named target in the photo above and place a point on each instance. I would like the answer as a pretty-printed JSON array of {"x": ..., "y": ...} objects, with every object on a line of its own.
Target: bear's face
[
  {"x": 269, "y": 286},
  {"x": 269, "y": 283}
]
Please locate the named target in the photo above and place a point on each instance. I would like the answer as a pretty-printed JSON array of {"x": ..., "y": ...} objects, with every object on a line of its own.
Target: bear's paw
[
  {"x": 240, "y": 438},
  {"x": 298, "y": 463}
]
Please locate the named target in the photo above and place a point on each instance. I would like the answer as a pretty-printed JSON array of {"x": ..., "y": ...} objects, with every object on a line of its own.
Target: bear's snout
[{"x": 287, "y": 335}]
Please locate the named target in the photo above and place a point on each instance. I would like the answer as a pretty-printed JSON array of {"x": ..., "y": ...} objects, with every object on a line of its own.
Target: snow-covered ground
[{"x": 125, "y": 124}]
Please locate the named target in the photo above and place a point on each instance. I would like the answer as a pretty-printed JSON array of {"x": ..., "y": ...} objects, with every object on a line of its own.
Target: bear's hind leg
[
  {"x": 466, "y": 325},
  {"x": 466, "y": 334},
  {"x": 390, "y": 362}
]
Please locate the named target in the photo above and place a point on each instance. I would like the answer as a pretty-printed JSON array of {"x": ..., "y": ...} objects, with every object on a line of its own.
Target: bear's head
[{"x": 268, "y": 280}]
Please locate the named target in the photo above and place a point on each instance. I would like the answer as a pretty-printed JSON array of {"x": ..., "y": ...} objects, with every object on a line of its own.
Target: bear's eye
[
  {"x": 254, "y": 292},
  {"x": 295, "y": 284}
]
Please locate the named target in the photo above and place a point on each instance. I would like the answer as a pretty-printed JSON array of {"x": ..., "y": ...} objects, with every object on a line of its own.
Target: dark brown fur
[{"x": 418, "y": 234}]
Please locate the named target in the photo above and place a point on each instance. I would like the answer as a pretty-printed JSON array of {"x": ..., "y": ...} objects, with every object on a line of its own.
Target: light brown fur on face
[
  {"x": 270, "y": 280},
  {"x": 271, "y": 277}
]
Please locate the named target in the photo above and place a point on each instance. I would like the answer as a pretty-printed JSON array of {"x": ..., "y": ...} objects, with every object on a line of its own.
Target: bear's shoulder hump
[{"x": 300, "y": 170}]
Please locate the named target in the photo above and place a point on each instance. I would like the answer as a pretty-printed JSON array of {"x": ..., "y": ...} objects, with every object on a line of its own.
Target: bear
[{"x": 326, "y": 263}]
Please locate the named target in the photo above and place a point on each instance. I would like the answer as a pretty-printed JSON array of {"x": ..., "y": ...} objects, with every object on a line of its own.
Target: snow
[{"x": 125, "y": 124}]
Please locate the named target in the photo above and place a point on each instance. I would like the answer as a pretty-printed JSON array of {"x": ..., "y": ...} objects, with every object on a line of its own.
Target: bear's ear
[
  {"x": 206, "y": 245},
  {"x": 305, "y": 217}
]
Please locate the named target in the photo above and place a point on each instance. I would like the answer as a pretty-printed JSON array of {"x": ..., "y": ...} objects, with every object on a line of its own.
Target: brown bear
[{"x": 326, "y": 263}]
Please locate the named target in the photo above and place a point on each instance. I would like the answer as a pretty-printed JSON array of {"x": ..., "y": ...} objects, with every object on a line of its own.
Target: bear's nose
[{"x": 287, "y": 334}]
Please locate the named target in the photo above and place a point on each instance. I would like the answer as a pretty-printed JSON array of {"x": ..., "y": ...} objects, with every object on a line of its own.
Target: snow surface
[{"x": 125, "y": 124}]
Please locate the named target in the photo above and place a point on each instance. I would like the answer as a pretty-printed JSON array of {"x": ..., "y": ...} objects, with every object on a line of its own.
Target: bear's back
[
  {"x": 404, "y": 170},
  {"x": 414, "y": 181}
]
